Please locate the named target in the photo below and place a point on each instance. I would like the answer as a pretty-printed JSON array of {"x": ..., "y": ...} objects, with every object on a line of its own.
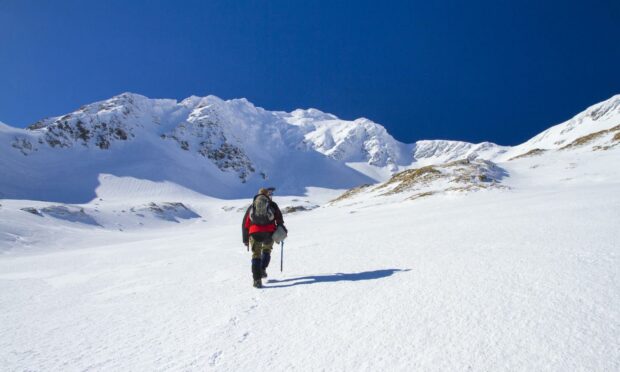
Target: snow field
[
  {"x": 109, "y": 271},
  {"x": 489, "y": 281}
]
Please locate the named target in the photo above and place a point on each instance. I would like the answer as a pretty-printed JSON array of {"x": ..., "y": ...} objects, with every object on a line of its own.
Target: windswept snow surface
[
  {"x": 504, "y": 259},
  {"x": 525, "y": 278}
]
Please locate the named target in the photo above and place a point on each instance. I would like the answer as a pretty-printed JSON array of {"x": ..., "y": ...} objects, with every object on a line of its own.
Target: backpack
[{"x": 261, "y": 212}]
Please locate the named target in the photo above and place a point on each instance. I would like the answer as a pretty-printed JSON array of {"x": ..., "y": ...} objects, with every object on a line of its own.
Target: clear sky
[{"x": 466, "y": 70}]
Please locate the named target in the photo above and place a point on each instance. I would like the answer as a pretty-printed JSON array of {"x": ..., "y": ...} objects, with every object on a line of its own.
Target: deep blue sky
[{"x": 468, "y": 70}]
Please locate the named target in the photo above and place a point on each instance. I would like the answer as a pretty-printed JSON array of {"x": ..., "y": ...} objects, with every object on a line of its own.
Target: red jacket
[
  {"x": 252, "y": 228},
  {"x": 248, "y": 228}
]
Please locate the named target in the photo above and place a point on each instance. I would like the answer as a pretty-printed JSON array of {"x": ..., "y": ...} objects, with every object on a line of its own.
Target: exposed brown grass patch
[
  {"x": 476, "y": 187},
  {"x": 404, "y": 180},
  {"x": 461, "y": 175},
  {"x": 349, "y": 193},
  {"x": 581, "y": 141},
  {"x": 456, "y": 163},
  {"x": 533, "y": 152},
  {"x": 584, "y": 140},
  {"x": 421, "y": 195},
  {"x": 298, "y": 208},
  {"x": 465, "y": 188}
]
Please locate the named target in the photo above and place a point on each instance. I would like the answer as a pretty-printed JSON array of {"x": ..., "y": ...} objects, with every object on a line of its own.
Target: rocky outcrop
[
  {"x": 462, "y": 175},
  {"x": 203, "y": 133}
]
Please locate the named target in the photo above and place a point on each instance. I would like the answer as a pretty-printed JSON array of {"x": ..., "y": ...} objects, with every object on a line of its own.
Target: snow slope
[
  {"x": 595, "y": 119},
  {"x": 466, "y": 263},
  {"x": 525, "y": 279}
]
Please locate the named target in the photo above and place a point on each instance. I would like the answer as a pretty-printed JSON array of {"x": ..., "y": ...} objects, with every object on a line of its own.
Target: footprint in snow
[{"x": 214, "y": 357}]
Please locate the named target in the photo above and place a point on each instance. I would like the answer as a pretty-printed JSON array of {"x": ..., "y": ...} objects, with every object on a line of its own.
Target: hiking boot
[
  {"x": 264, "y": 273},
  {"x": 258, "y": 284}
]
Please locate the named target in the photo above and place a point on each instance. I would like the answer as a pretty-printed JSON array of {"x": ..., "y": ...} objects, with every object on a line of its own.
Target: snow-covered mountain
[
  {"x": 204, "y": 144},
  {"x": 207, "y": 145},
  {"x": 454, "y": 256},
  {"x": 455, "y": 167},
  {"x": 229, "y": 148},
  {"x": 596, "y": 128}
]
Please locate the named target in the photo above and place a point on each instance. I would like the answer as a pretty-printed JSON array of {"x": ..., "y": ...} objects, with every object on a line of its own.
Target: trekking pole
[{"x": 281, "y": 254}]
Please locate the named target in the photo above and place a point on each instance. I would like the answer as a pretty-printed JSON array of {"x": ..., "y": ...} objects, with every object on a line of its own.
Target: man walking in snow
[{"x": 260, "y": 221}]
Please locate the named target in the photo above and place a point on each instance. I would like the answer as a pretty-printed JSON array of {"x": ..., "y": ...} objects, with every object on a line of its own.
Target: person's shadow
[{"x": 337, "y": 277}]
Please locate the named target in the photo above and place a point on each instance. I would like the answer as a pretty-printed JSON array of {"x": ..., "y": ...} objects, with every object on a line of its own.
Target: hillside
[
  {"x": 495, "y": 280},
  {"x": 219, "y": 148},
  {"x": 120, "y": 246}
]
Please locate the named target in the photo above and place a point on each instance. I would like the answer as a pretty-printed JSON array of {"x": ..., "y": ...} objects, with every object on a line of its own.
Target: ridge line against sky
[{"x": 481, "y": 71}]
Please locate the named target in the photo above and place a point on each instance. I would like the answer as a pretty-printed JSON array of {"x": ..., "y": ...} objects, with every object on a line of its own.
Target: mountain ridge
[{"x": 227, "y": 148}]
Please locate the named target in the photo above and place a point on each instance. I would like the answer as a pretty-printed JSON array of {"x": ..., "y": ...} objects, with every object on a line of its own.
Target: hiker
[{"x": 260, "y": 221}]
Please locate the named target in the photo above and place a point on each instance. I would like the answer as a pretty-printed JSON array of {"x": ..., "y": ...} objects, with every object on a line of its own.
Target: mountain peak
[
  {"x": 130, "y": 95},
  {"x": 605, "y": 109},
  {"x": 312, "y": 113},
  {"x": 598, "y": 117},
  {"x": 220, "y": 147}
]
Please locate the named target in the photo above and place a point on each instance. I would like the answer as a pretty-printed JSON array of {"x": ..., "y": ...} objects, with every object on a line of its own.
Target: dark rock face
[
  {"x": 204, "y": 133},
  {"x": 104, "y": 125},
  {"x": 23, "y": 145},
  {"x": 97, "y": 125},
  {"x": 86, "y": 131}
]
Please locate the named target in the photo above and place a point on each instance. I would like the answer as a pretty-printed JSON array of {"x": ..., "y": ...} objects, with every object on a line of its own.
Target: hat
[{"x": 266, "y": 191}]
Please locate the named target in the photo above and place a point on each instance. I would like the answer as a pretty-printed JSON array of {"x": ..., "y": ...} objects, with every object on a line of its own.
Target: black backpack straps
[{"x": 278, "y": 214}]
